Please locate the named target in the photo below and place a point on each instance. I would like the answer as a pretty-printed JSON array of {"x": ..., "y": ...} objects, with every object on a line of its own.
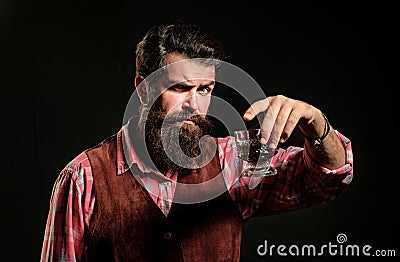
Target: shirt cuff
[{"x": 344, "y": 172}]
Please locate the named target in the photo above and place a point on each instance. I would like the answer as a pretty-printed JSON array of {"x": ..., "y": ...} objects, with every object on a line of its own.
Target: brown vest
[{"x": 128, "y": 226}]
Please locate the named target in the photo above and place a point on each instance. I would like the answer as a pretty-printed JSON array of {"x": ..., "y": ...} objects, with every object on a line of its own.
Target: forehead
[{"x": 179, "y": 69}]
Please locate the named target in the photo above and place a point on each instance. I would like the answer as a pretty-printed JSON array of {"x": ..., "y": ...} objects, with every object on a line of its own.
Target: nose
[{"x": 191, "y": 101}]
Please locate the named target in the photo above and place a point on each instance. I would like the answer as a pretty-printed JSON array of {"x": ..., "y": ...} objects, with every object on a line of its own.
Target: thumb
[{"x": 249, "y": 114}]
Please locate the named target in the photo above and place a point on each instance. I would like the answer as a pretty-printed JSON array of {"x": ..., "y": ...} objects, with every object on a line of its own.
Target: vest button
[{"x": 167, "y": 235}]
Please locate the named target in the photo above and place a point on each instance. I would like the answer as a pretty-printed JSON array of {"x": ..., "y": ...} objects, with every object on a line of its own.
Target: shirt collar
[{"x": 122, "y": 154}]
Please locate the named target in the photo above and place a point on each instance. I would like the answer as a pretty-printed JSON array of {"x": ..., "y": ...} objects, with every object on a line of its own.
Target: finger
[
  {"x": 281, "y": 121},
  {"x": 256, "y": 108},
  {"x": 290, "y": 125},
  {"x": 268, "y": 124}
]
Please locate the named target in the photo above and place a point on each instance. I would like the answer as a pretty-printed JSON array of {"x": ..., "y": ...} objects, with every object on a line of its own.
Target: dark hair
[{"x": 182, "y": 38}]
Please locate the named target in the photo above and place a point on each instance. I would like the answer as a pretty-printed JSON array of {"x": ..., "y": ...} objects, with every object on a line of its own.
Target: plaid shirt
[{"x": 299, "y": 183}]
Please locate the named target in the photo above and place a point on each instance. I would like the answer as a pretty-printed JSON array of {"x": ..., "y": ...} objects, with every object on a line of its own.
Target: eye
[
  {"x": 178, "y": 87},
  {"x": 204, "y": 90}
]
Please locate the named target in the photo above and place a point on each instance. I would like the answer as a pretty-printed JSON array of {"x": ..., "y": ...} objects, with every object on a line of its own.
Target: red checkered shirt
[{"x": 73, "y": 197}]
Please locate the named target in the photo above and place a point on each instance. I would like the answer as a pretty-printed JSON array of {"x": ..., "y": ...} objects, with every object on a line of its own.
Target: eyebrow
[{"x": 183, "y": 84}]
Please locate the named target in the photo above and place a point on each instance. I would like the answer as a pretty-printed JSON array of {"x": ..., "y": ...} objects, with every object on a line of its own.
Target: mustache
[{"x": 174, "y": 118}]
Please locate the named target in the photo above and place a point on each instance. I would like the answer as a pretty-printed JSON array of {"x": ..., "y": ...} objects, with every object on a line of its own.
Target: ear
[{"x": 142, "y": 89}]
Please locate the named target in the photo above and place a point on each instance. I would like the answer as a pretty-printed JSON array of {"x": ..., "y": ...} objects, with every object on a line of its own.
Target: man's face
[
  {"x": 186, "y": 86},
  {"x": 177, "y": 121}
]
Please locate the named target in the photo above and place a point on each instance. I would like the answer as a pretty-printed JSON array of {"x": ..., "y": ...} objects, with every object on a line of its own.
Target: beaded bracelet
[{"x": 318, "y": 140}]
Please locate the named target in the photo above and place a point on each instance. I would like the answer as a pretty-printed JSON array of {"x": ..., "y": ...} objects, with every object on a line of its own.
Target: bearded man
[{"x": 163, "y": 189}]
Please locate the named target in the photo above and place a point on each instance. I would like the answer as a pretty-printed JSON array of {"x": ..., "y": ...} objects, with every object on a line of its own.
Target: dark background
[{"x": 67, "y": 72}]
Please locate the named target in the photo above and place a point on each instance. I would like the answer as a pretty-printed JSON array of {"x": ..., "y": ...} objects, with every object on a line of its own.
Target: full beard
[{"x": 173, "y": 144}]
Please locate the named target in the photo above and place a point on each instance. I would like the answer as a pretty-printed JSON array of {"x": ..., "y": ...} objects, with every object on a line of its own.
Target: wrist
[{"x": 316, "y": 131}]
